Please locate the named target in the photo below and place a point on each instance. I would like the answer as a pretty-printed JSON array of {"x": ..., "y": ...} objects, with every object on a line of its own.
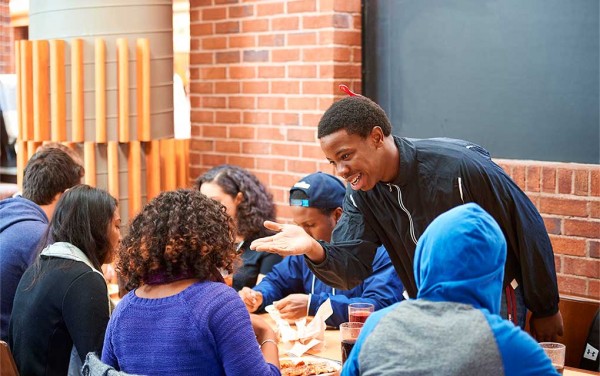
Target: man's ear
[
  {"x": 377, "y": 136},
  {"x": 336, "y": 214}
]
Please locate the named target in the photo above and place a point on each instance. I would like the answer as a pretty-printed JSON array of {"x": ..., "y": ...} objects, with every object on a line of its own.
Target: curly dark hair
[
  {"x": 257, "y": 205},
  {"x": 357, "y": 115},
  {"x": 178, "y": 234}
]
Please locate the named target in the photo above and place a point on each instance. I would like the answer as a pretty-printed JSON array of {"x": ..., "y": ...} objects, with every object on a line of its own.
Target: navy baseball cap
[{"x": 324, "y": 191}]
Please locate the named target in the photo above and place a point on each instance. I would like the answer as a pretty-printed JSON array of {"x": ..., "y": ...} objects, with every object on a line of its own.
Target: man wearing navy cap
[{"x": 294, "y": 290}]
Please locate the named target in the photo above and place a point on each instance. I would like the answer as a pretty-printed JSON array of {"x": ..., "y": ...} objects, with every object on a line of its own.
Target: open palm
[{"x": 289, "y": 240}]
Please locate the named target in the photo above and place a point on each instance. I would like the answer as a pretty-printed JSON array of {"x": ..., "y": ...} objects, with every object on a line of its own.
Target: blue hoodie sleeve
[
  {"x": 521, "y": 354},
  {"x": 284, "y": 279},
  {"x": 382, "y": 289}
]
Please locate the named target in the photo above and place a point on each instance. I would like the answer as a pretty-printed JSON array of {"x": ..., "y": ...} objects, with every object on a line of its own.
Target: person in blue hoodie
[
  {"x": 453, "y": 327},
  {"x": 293, "y": 289},
  {"x": 24, "y": 219}
]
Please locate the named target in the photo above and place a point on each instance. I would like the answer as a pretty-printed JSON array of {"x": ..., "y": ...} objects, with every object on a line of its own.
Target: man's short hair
[
  {"x": 357, "y": 115},
  {"x": 318, "y": 190},
  {"x": 49, "y": 171}
]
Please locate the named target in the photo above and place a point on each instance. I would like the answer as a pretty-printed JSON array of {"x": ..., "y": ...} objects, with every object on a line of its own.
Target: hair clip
[{"x": 347, "y": 90}]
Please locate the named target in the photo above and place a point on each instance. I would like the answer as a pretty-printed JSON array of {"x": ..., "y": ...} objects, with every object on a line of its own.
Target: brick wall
[
  {"x": 6, "y": 40},
  {"x": 263, "y": 72}
]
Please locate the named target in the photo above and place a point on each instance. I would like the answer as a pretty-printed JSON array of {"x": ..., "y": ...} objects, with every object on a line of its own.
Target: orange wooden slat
[
  {"x": 77, "y": 105},
  {"x": 182, "y": 162},
  {"x": 134, "y": 174},
  {"x": 123, "y": 89},
  {"x": 168, "y": 165},
  {"x": 19, "y": 90},
  {"x": 21, "y": 162},
  {"x": 26, "y": 90},
  {"x": 112, "y": 161},
  {"x": 41, "y": 87},
  {"x": 57, "y": 90},
  {"x": 153, "y": 170},
  {"x": 89, "y": 161},
  {"x": 32, "y": 148},
  {"x": 100, "y": 89},
  {"x": 143, "y": 88}
]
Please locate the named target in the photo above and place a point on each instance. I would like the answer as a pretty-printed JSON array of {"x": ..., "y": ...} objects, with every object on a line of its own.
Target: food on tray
[{"x": 306, "y": 367}]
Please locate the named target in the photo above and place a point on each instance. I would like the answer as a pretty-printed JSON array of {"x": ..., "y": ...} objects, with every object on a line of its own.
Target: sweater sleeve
[
  {"x": 236, "y": 343},
  {"x": 86, "y": 312},
  {"x": 286, "y": 278}
]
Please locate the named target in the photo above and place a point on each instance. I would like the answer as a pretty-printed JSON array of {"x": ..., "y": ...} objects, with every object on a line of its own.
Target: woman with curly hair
[
  {"x": 181, "y": 318},
  {"x": 61, "y": 306},
  {"x": 250, "y": 204}
]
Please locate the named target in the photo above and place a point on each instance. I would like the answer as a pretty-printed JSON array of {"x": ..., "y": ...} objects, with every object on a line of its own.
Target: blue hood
[{"x": 460, "y": 258}]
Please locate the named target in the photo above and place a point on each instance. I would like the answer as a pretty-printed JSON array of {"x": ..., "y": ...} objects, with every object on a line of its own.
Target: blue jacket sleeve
[
  {"x": 283, "y": 280},
  {"x": 382, "y": 288}
]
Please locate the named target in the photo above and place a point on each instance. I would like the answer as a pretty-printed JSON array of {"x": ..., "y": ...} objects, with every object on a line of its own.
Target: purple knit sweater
[{"x": 203, "y": 330}]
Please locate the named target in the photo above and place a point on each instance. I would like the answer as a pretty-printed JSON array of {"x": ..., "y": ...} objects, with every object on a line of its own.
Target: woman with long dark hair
[
  {"x": 250, "y": 204},
  {"x": 180, "y": 318},
  {"x": 61, "y": 307}
]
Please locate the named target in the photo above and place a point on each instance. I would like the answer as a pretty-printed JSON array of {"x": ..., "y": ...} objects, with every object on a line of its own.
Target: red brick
[
  {"x": 357, "y": 54},
  {"x": 226, "y": 1},
  {"x": 214, "y": 102},
  {"x": 228, "y": 117},
  {"x": 228, "y": 27},
  {"x": 581, "y": 267},
  {"x": 202, "y": 116},
  {"x": 311, "y": 119},
  {"x": 274, "y": 164},
  {"x": 254, "y": 117},
  {"x": 311, "y": 152},
  {"x": 242, "y": 41},
  {"x": 194, "y": 44},
  {"x": 255, "y": 87},
  {"x": 227, "y": 87},
  {"x": 342, "y": 54},
  {"x": 271, "y": 102},
  {"x": 285, "y": 23},
  {"x": 284, "y": 212},
  {"x": 584, "y": 228},
  {"x": 214, "y": 131},
  {"x": 271, "y": 72},
  {"x": 595, "y": 182},
  {"x": 228, "y": 146},
  {"x": 283, "y": 180},
  {"x": 342, "y": 21},
  {"x": 581, "y": 186},
  {"x": 250, "y": 26},
  {"x": 302, "y": 71},
  {"x": 349, "y": 38},
  {"x": 242, "y": 132},
  {"x": 565, "y": 181},
  {"x": 593, "y": 289},
  {"x": 286, "y": 149},
  {"x": 271, "y": 40},
  {"x": 242, "y": 102},
  {"x": 256, "y": 148},
  {"x": 242, "y": 72},
  {"x": 241, "y": 11},
  {"x": 285, "y": 87},
  {"x": 305, "y": 167},
  {"x": 317, "y": 87},
  {"x": 326, "y": 37},
  {"x": 560, "y": 206},
  {"x": 202, "y": 87},
  {"x": 269, "y": 9},
  {"x": 325, "y": 103},
  {"x": 271, "y": 133},
  {"x": 317, "y": 54},
  {"x": 568, "y": 246},
  {"x": 212, "y": 160},
  {"x": 571, "y": 285},
  {"x": 317, "y": 22},
  {"x": 200, "y": 58},
  {"x": 212, "y": 73},
  {"x": 213, "y": 13},
  {"x": 306, "y": 135},
  {"x": 286, "y": 55},
  {"x": 302, "y": 103},
  {"x": 284, "y": 118},
  {"x": 518, "y": 175},
  {"x": 199, "y": 3},
  {"x": 552, "y": 225},
  {"x": 347, "y": 71},
  {"x": 301, "y": 6},
  {"x": 346, "y": 5},
  {"x": 594, "y": 248},
  {"x": 595, "y": 209},
  {"x": 202, "y": 145},
  {"x": 327, "y": 167},
  {"x": 245, "y": 162},
  {"x": 549, "y": 179},
  {"x": 256, "y": 56},
  {"x": 228, "y": 57},
  {"x": 201, "y": 29},
  {"x": 558, "y": 263},
  {"x": 214, "y": 43},
  {"x": 302, "y": 39}
]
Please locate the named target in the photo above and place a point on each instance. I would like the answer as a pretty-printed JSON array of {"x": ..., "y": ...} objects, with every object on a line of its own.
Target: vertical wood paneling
[
  {"x": 19, "y": 89},
  {"x": 153, "y": 169},
  {"x": 89, "y": 161},
  {"x": 77, "y": 105},
  {"x": 112, "y": 160},
  {"x": 134, "y": 175},
  {"x": 143, "y": 89},
  {"x": 26, "y": 90},
  {"x": 168, "y": 165},
  {"x": 41, "y": 106},
  {"x": 57, "y": 90},
  {"x": 100, "y": 89},
  {"x": 123, "y": 89},
  {"x": 21, "y": 162}
]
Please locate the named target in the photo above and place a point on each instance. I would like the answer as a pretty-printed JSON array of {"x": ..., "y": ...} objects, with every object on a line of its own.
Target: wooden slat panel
[
  {"x": 135, "y": 178},
  {"x": 143, "y": 89},
  {"x": 123, "y": 89},
  {"x": 32, "y": 148},
  {"x": 168, "y": 165},
  {"x": 21, "y": 162},
  {"x": 182, "y": 152},
  {"x": 19, "y": 90},
  {"x": 41, "y": 107},
  {"x": 57, "y": 90},
  {"x": 77, "y": 105},
  {"x": 89, "y": 161},
  {"x": 153, "y": 169},
  {"x": 26, "y": 90},
  {"x": 100, "y": 87},
  {"x": 112, "y": 161}
]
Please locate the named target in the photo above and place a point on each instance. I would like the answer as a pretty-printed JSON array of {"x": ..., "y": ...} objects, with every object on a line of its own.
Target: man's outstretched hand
[{"x": 289, "y": 240}]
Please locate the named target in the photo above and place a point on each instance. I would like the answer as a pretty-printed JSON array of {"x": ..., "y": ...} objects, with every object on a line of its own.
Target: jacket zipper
[{"x": 410, "y": 220}]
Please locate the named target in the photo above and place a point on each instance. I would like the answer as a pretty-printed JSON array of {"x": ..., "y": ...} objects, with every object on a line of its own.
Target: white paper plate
[{"x": 331, "y": 364}]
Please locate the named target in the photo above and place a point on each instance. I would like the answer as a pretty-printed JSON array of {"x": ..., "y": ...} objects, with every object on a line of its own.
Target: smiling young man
[{"x": 397, "y": 186}]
